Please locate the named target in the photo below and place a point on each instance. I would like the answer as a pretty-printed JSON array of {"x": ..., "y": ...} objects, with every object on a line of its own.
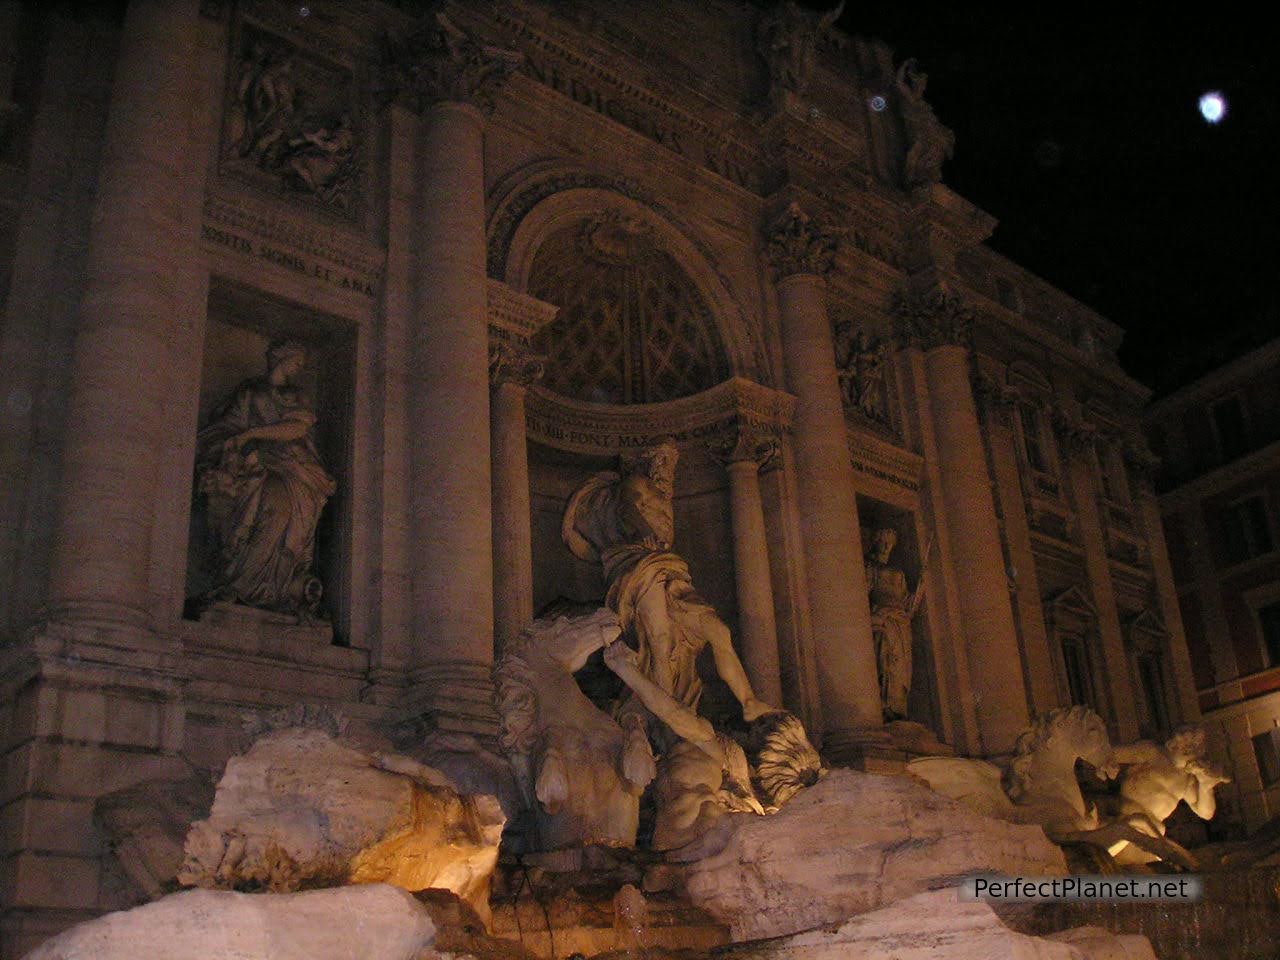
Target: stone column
[
  {"x": 744, "y": 452},
  {"x": 143, "y": 231},
  {"x": 1142, "y": 466},
  {"x": 448, "y": 79},
  {"x": 512, "y": 369},
  {"x": 1077, "y": 447},
  {"x": 802, "y": 254},
  {"x": 998, "y": 406},
  {"x": 942, "y": 326}
]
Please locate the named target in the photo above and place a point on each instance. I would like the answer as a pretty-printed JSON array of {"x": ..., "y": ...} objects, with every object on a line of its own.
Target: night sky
[{"x": 1083, "y": 137}]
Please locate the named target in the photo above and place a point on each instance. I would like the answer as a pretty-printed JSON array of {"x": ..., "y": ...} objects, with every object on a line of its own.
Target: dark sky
[{"x": 1083, "y": 137}]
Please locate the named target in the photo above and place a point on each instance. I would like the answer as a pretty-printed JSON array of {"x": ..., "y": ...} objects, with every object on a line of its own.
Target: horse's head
[{"x": 1057, "y": 739}]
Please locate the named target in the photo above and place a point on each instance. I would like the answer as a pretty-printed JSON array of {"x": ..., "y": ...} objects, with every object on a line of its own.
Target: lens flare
[{"x": 1213, "y": 106}]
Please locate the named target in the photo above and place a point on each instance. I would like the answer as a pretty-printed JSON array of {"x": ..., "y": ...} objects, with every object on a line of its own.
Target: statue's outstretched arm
[{"x": 686, "y": 724}]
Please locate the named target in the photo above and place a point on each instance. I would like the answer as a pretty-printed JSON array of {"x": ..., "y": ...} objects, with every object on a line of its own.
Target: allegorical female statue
[
  {"x": 624, "y": 522},
  {"x": 893, "y": 607},
  {"x": 265, "y": 487}
]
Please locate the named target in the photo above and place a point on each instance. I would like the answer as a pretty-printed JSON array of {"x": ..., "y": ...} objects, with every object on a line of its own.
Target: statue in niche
[
  {"x": 1157, "y": 778},
  {"x": 706, "y": 775},
  {"x": 264, "y": 486},
  {"x": 893, "y": 607},
  {"x": 624, "y": 522},
  {"x": 860, "y": 366},
  {"x": 576, "y": 768},
  {"x": 929, "y": 143},
  {"x": 787, "y": 38}
]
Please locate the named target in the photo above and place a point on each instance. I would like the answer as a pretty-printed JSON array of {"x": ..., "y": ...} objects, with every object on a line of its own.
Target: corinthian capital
[
  {"x": 745, "y": 442},
  {"x": 932, "y": 319},
  {"x": 512, "y": 363},
  {"x": 797, "y": 244},
  {"x": 436, "y": 62}
]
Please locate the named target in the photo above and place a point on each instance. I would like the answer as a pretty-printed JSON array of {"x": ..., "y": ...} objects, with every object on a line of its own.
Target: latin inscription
[{"x": 290, "y": 260}]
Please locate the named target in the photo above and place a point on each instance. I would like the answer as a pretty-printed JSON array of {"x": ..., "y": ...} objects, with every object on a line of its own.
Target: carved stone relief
[
  {"x": 290, "y": 122},
  {"x": 860, "y": 365}
]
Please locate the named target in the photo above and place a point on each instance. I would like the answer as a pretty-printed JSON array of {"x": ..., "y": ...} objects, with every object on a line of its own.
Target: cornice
[
  {"x": 1258, "y": 463},
  {"x": 606, "y": 429}
]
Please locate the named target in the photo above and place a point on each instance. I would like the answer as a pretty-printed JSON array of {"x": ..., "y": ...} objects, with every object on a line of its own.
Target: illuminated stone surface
[
  {"x": 376, "y": 921},
  {"x": 302, "y": 809},
  {"x": 853, "y": 843}
]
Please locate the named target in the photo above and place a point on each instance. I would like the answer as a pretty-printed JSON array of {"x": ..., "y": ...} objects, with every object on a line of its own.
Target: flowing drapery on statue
[
  {"x": 893, "y": 607},
  {"x": 265, "y": 488},
  {"x": 624, "y": 521}
]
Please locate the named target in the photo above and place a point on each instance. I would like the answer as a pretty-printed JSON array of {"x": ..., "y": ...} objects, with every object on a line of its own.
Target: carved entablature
[
  {"x": 258, "y": 232},
  {"x": 933, "y": 318},
  {"x": 516, "y": 316},
  {"x": 734, "y": 405},
  {"x": 800, "y": 245},
  {"x": 291, "y": 122},
  {"x": 438, "y": 62},
  {"x": 876, "y": 458}
]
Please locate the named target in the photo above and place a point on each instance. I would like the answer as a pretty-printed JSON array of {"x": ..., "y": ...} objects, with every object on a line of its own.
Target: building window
[
  {"x": 1269, "y": 619},
  {"x": 1151, "y": 676},
  {"x": 1266, "y": 750},
  {"x": 1033, "y": 438},
  {"x": 1231, "y": 426},
  {"x": 1111, "y": 473},
  {"x": 1246, "y": 531},
  {"x": 1075, "y": 661}
]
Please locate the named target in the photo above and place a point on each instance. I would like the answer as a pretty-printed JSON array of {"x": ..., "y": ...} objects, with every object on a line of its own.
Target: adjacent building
[
  {"x": 1219, "y": 442},
  {"x": 448, "y": 261}
]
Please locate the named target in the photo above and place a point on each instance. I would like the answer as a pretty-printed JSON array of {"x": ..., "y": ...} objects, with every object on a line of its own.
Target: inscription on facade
[{"x": 289, "y": 260}]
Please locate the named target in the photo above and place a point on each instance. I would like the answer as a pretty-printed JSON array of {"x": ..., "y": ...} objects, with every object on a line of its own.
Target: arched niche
[{"x": 528, "y": 217}]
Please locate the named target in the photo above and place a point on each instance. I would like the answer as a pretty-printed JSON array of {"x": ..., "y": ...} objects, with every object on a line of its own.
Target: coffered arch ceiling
[{"x": 632, "y": 326}]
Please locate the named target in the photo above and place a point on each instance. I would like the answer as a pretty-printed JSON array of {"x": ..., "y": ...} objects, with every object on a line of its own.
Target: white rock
[
  {"x": 852, "y": 843},
  {"x": 374, "y": 921},
  {"x": 303, "y": 809},
  {"x": 929, "y": 926}
]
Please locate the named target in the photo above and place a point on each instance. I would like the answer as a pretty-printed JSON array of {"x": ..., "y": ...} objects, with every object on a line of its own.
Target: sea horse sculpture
[
  {"x": 1040, "y": 785},
  {"x": 578, "y": 770}
]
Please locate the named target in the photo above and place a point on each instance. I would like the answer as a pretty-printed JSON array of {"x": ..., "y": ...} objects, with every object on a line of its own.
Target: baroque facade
[
  {"x": 488, "y": 250},
  {"x": 1220, "y": 450}
]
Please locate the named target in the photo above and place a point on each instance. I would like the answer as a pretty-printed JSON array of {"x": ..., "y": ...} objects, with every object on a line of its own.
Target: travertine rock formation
[
  {"x": 375, "y": 921},
  {"x": 302, "y": 809},
  {"x": 938, "y": 926},
  {"x": 145, "y": 826},
  {"x": 851, "y": 844}
]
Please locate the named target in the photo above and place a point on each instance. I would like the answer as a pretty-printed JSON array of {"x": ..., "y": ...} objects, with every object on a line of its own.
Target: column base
[
  {"x": 454, "y": 697},
  {"x": 886, "y": 749}
]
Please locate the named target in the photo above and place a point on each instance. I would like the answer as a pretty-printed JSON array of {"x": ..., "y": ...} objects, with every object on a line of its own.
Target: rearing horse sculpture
[{"x": 1040, "y": 785}]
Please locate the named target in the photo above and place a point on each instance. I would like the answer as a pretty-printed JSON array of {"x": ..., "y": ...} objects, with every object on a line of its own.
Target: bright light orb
[{"x": 1213, "y": 107}]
